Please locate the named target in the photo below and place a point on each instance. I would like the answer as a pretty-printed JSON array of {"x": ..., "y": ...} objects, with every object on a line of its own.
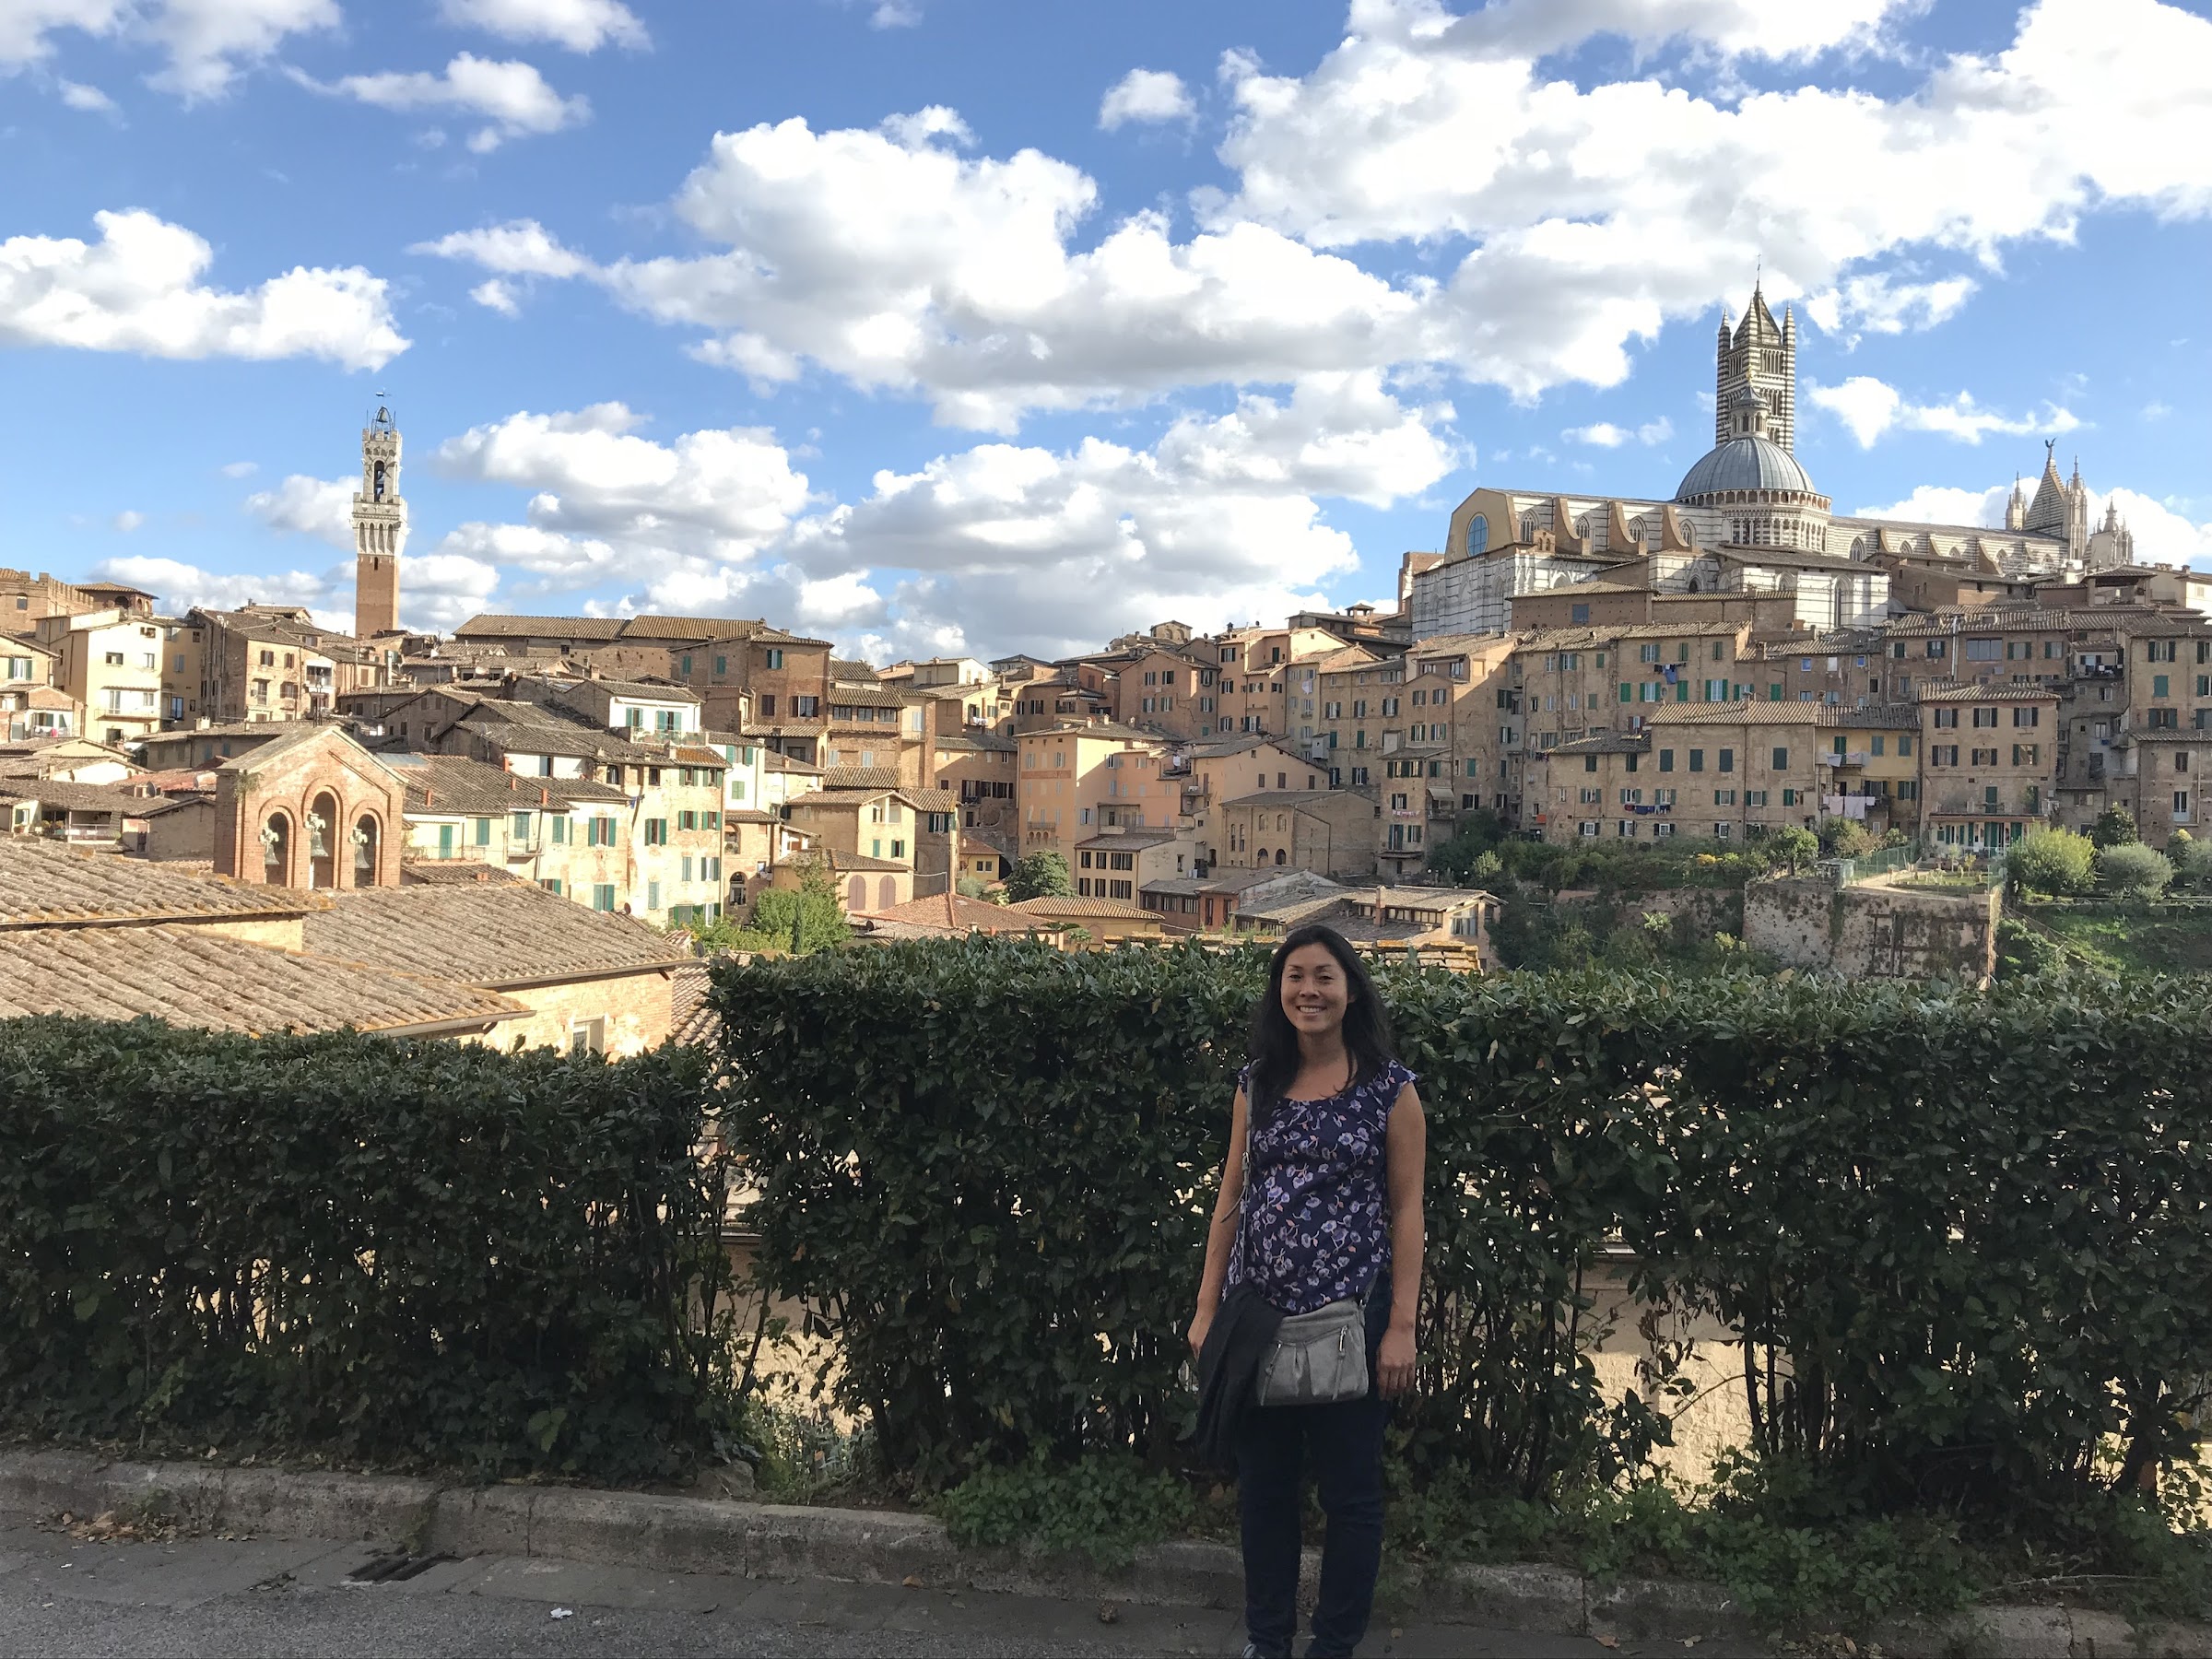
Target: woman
[{"x": 1336, "y": 1143}]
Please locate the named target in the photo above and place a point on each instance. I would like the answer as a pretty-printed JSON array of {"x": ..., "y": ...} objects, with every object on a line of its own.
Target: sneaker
[{"x": 1252, "y": 1650}]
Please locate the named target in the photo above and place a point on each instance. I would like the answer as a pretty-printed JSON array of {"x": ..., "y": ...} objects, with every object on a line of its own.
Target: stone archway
[
  {"x": 324, "y": 830},
  {"x": 367, "y": 841},
  {"x": 276, "y": 849}
]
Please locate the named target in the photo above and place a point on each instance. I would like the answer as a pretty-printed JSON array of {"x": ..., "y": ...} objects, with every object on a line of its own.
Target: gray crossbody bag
[{"x": 1316, "y": 1359}]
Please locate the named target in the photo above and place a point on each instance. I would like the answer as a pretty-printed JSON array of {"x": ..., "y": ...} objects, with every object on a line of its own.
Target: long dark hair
[{"x": 1274, "y": 1047}]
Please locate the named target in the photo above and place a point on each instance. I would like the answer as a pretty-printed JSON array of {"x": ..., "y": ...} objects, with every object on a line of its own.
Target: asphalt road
[{"x": 70, "y": 1597}]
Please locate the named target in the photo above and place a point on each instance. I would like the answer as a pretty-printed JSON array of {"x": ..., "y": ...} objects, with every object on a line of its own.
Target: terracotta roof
[
  {"x": 692, "y": 753},
  {"x": 581, "y": 627},
  {"x": 851, "y": 668},
  {"x": 1105, "y": 908},
  {"x": 772, "y": 761},
  {"x": 1129, "y": 839},
  {"x": 1605, "y": 743},
  {"x": 982, "y": 742},
  {"x": 454, "y": 783},
  {"x": 747, "y": 815},
  {"x": 931, "y": 800},
  {"x": 1295, "y": 797},
  {"x": 72, "y": 797},
  {"x": 494, "y": 936},
  {"x": 192, "y": 976},
  {"x": 452, "y": 872},
  {"x": 691, "y": 1018},
  {"x": 43, "y": 885},
  {"x": 1747, "y": 712},
  {"x": 847, "y": 864},
  {"x": 557, "y": 737},
  {"x": 876, "y": 778},
  {"x": 956, "y": 913},
  {"x": 1875, "y": 717},
  {"x": 1988, "y": 693}
]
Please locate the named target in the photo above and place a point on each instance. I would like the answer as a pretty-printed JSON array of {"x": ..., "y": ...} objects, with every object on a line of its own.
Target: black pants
[{"x": 1343, "y": 1445}]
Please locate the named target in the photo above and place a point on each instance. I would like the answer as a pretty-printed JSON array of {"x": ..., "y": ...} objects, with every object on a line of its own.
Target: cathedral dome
[{"x": 1747, "y": 463}]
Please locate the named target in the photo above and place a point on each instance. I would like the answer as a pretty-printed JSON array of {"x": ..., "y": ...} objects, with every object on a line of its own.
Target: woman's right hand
[{"x": 1200, "y": 1325}]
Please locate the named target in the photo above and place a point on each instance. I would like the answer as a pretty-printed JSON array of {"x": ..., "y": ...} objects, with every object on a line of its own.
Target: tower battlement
[{"x": 380, "y": 529}]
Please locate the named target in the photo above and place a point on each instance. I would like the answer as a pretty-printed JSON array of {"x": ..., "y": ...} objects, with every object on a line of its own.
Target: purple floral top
[{"x": 1315, "y": 1226}]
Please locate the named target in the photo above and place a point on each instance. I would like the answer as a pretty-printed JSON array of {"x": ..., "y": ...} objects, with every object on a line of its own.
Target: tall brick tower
[{"x": 380, "y": 529}]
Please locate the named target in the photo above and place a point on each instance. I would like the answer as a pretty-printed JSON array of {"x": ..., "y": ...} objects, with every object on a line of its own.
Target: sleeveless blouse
[{"x": 1315, "y": 1227}]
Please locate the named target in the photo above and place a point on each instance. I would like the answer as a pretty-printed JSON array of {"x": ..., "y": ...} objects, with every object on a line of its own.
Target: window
[
  {"x": 1727, "y": 760},
  {"x": 552, "y": 885},
  {"x": 1985, "y": 757},
  {"x": 1982, "y": 651},
  {"x": 653, "y": 895},
  {"x": 2159, "y": 685},
  {"x": 1904, "y": 748},
  {"x": 2027, "y": 717},
  {"x": 518, "y": 826},
  {"x": 2159, "y": 650},
  {"x": 483, "y": 832},
  {"x": 656, "y": 831},
  {"x": 2024, "y": 754},
  {"x": 1780, "y": 761},
  {"x": 588, "y": 1036},
  {"x": 561, "y": 830},
  {"x": 776, "y": 657},
  {"x": 1577, "y": 615},
  {"x": 805, "y": 708},
  {"x": 1946, "y": 718},
  {"x": 1697, "y": 760},
  {"x": 603, "y": 895},
  {"x": 1666, "y": 760},
  {"x": 2181, "y": 803}
]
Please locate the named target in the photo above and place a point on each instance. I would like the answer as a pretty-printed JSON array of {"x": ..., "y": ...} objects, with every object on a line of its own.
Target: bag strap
[{"x": 1242, "y": 1246}]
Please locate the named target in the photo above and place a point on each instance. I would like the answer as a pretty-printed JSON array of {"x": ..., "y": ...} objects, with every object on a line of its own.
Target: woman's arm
[
  {"x": 1406, "y": 1148},
  {"x": 1222, "y": 1234}
]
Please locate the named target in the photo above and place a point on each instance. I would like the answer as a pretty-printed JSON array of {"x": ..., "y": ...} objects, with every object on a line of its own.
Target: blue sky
[{"x": 938, "y": 324}]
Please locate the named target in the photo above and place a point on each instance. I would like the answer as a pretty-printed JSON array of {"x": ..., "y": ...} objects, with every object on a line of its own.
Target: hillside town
[{"x": 1728, "y": 662}]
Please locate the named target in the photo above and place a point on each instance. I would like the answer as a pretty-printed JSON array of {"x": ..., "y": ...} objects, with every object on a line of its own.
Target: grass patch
[{"x": 2122, "y": 942}]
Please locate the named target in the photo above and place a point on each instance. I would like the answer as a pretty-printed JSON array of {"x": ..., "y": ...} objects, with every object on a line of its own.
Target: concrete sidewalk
[
  {"x": 874, "y": 1550},
  {"x": 66, "y": 1597}
]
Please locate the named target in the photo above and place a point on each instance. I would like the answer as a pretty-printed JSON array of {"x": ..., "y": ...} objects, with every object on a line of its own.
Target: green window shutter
[
  {"x": 445, "y": 840},
  {"x": 1627, "y": 695}
]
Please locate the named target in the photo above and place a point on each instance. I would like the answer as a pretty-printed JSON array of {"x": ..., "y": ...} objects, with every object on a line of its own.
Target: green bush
[
  {"x": 2115, "y": 827},
  {"x": 2023, "y": 952},
  {"x": 1958, "y": 1228},
  {"x": 1104, "y": 1506},
  {"x": 1041, "y": 875},
  {"x": 2192, "y": 859},
  {"x": 1790, "y": 848},
  {"x": 1845, "y": 837},
  {"x": 2052, "y": 861},
  {"x": 2135, "y": 869},
  {"x": 385, "y": 1250}
]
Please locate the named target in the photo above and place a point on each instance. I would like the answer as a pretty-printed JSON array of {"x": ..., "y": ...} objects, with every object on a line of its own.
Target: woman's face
[{"x": 1314, "y": 992}]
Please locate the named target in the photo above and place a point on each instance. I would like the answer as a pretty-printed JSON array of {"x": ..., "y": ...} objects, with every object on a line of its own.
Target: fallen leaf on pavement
[{"x": 913, "y": 1580}]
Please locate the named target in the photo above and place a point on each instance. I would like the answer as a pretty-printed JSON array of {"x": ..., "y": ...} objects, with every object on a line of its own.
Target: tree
[
  {"x": 2192, "y": 859},
  {"x": 1845, "y": 837},
  {"x": 971, "y": 886},
  {"x": 801, "y": 920},
  {"x": 2133, "y": 869},
  {"x": 2115, "y": 827},
  {"x": 1041, "y": 875},
  {"x": 1792, "y": 848},
  {"x": 2052, "y": 861}
]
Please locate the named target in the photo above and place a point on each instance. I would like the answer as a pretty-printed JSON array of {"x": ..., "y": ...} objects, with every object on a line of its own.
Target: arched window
[
  {"x": 1281, "y": 855},
  {"x": 856, "y": 894},
  {"x": 379, "y": 494},
  {"x": 1478, "y": 536},
  {"x": 277, "y": 850},
  {"x": 323, "y": 842},
  {"x": 1261, "y": 857},
  {"x": 886, "y": 893},
  {"x": 365, "y": 849}
]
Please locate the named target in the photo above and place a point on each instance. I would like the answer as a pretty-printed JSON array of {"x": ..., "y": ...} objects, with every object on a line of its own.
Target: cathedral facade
[{"x": 1747, "y": 520}]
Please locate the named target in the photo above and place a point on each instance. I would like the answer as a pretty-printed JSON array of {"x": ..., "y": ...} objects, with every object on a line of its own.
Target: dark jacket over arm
[{"x": 1228, "y": 1370}]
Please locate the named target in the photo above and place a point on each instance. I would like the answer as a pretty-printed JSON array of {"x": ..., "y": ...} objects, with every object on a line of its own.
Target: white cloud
[
  {"x": 895, "y": 14},
  {"x": 181, "y": 587},
  {"x": 2164, "y": 535},
  {"x": 607, "y": 504},
  {"x": 137, "y": 290},
  {"x": 496, "y": 294},
  {"x": 1946, "y": 504},
  {"x": 322, "y": 508},
  {"x": 1438, "y": 131},
  {"x": 1870, "y": 407},
  {"x": 579, "y": 25},
  {"x": 1605, "y": 435},
  {"x": 128, "y": 520},
  {"x": 90, "y": 100},
  {"x": 512, "y": 97},
  {"x": 1738, "y": 28},
  {"x": 1146, "y": 95},
  {"x": 898, "y": 263},
  {"x": 210, "y": 41},
  {"x": 1879, "y": 303},
  {"x": 239, "y": 469}
]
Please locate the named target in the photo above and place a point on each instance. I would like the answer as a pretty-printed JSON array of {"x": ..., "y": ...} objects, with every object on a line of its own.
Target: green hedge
[
  {"x": 1966, "y": 1233},
  {"x": 387, "y": 1249}
]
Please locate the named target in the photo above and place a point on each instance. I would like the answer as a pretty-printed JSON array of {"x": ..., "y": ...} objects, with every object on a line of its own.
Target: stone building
[
  {"x": 311, "y": 809},
  {"x": 380, "y": 530}
]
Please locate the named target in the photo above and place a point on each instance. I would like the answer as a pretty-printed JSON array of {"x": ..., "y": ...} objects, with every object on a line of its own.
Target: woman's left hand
[{"x": 1393, "y": 1362}]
